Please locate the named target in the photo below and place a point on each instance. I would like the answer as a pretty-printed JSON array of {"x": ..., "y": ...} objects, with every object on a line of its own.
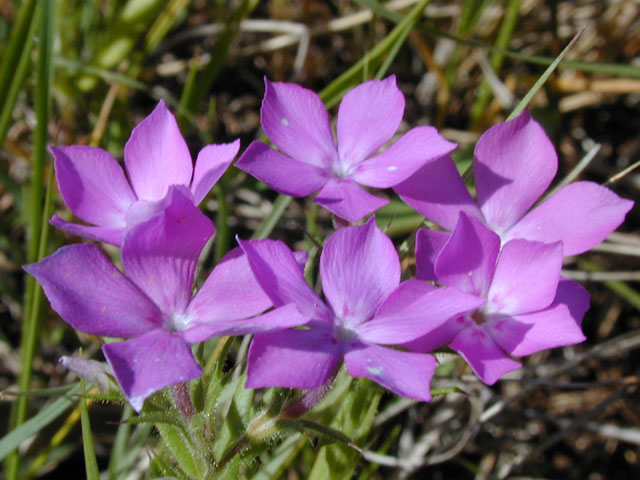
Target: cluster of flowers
[{"x": 488, "y": 285}]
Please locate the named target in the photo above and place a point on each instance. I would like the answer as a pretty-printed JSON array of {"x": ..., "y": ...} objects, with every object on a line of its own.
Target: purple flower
[
  {"x": 296, "y": 121},
  {"x": 366, "y": 308},
  {"x": 94, "y": 187},
  {"x": 152, "y": 305},
  {"x": 514, "y": 163},
  {"x": 527, "y": 306}
]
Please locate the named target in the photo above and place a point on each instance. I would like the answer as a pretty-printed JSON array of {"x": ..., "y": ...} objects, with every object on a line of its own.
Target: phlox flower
[
  {"x": 151, "y": 304},
  {"x": 94, "y": 187},
  {"x": 366, "y": 309},
  {"x": 526, "y": 305},
  {"x": 296, "y": 121},
  {"x": 514, "y": 163}
]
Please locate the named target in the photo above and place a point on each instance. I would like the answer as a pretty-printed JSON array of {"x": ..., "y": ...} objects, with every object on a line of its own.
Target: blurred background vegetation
[{"x": 86, "y": 72}]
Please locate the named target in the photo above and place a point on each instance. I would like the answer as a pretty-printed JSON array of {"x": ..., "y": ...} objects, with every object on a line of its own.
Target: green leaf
[
  {"x": 90, "y": 462},
  {"x": 183, "y": 450}
]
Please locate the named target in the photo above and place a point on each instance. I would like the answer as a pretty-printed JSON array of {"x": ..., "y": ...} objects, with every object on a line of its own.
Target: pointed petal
[
  {"x": 348, "y": 200},
  {"x": 438, "y": 192},
  {"x": 526, "y": 277},
  {"x": 438, "y": 337},
  {"x": 292, "y": 359},
  {"x": 96, "y": 373},
  {"x": 301, "y": 258},
  {"x": 359, "y": 268},
  {"x": 468, "y": 259},
  {"x": 368, "y": 117},
  {"x": 405, "y": 374},
  {"x": 113, "y": 236},
  {"x": 429, "y": 243},
  {"x": 283, "y": 174},
  {"x": 230, "y": 293},
  {"x": 278, "y": 319},
  {"x": 556, "y": 326},
  {"x": 146, "y": 364},
  {"x": 212, "y": 162},
  {"x": 156, "y": 155},
  {"x": 514, "y": 163},
  {"x": 486, "y": 359},
  {"x": 296, "y": 121},
  {"x": 278, "y": 273},
  {"x": 91, "y": 295},
  {"x": 414, "y": 149},
  {"x": 92, "y": 185},
  {"x": 581, "y": 215},
  {"x": 161, "y": 254},
  {"x": 400, "y": 322}
]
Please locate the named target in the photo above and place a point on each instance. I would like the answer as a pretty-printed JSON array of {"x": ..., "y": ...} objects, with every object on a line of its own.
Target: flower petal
[
  {"x": 212, "y": 162},
  {"x": 161, "y": 254},
  {"x": 96, "y": 373},
  {"x": 405, "y": 374},
  {"x": 278, "y": 319},
  {"x": 146, "y": 364},
  {"x": 581, "y": 215},
  {"x": 92, "y": 185},
  {"x": 414, "y": 149},
  {"x": 486, "y": 359},
  {"x": 91, "y": 295},
  {"x": 296, "y": 121},
  {"x": 278, "y": 273},
  {"x": 514, "y": 163},
  {"x": 526, "y": 277},
  {"x": 348, "y": 200},
  {"x": 283, "y": 174},
  {"x": 292, "y": 359},
  {"x": 438, "y": 337},
  {"x": 468, "y": 259},
  {"x": 438, "y": 192},
  {"x": 399, "y": 322},
  {"x": 429, "y": 243},
  {"x": 368, "y": 117},
  {"x": 113, "y": 236},
  {"x": 556, "y": 326},
  {"x": 156, "y": 155},
  {"x": 359, "y": 268},
  {"x": 230, "y": 293}
]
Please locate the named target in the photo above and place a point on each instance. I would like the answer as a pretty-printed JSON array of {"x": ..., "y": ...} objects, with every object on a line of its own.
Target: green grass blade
[
  {"x": 90, "y": 462},
  {"x": 269, "y": 222},
  {"x": 14, "y": 438},
  {"x": 543, "y": 78},
  {"x": 621, "y": 288}
]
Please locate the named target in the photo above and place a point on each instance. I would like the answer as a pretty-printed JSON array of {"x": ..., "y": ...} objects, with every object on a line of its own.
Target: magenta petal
[
  {"x": 156, "y": 155},
  {"x": 283, "y": 174},
  {"x": 468, "y": 259},
  {"x": 438, "y": 337},
  {"x": 574, "y": 296},
  {"x": 486, "y": 359},
  {"x": 438, "y": 192},
  {"x": 514, "y": 163},
  {"x": 212, "y": 162},
  {"x": 278, "y": 319},
  {"x": 348, "y": 200},
  {"x": 580, "y": 215},
  {"x": 113, "y": 236},
  {"x": 161, "y": 254},
  {"x": 417, "y": 147},
  {"x": 90, "y": 294},
  {"x": 359, "y": 268},
  {"x": 146, "y": 364},
  {"x": 92, "y": 185},
  {"x": 278, "y": 273},
  {"x": 296, "y": 121},
  {"x": 397, "y": 322},
  {"x": 526, "y": 277},
  {"x": 368, "y": 117},
  {"x": 231, "y": 292},
  {"x": 429, "y": 243},
  {"x": 292, "y": 359},
  {"x": 405, "y": 374}
]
